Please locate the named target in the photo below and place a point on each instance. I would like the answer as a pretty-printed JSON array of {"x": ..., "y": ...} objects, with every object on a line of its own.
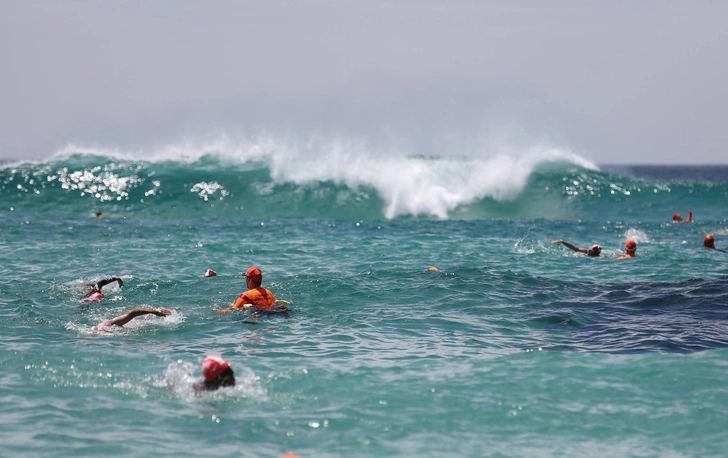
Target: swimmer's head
[
  {"x": 594, "y": 250},
  {"x": 254, "y": 274},
  {"x": 217, "y": 373},
  {"x": 709, "y": 241},
  {"x": 630, "y": 246},
  {"x": 677, "y": 218}
]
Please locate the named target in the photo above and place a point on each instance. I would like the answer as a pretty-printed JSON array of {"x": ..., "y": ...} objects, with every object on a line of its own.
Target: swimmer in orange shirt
[
  {"x": 256, "y": 296},
  {"x": 631, "y": 248}
]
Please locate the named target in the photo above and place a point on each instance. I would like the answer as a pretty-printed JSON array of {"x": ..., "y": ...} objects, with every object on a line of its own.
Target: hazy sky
[{"x": 618, "y": 81}]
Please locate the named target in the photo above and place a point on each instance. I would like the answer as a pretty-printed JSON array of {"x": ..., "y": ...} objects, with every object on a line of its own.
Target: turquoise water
[{"x": 513, "y": 347}]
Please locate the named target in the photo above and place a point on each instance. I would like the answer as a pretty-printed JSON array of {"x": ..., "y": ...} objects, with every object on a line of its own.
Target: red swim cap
[
  {"x": 708, "y": 240},
  {"x": 596, "y": 249},
  {"x": 676, "y": 217},
  {"x": 210, "y": 273},
  {"x": 630, "y": 246},
  {"x": 213, "y": 366},
  {"x": 254, "y": 274}
]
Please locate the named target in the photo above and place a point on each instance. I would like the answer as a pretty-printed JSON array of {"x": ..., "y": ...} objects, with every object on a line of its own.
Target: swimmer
[
  {"x": 95, "y": 294},
  {"x": 592, "y": 251},
  {"x": 256, "y": 296},
  {"x": 631, "y": 250},
  {"x": 99, "y": 215},
  {"x": 121, "y": 320},
  {"x": 217, "y": 373},
  {"x": 677, "y": 218},
  {"x": 709, "y": 242}
]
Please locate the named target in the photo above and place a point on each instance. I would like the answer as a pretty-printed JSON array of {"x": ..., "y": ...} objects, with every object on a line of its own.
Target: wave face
[{"x": 341, "y": 180}]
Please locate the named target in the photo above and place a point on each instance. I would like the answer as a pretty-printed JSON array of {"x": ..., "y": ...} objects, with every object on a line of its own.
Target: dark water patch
[
  {"x": 679, "y": 317},
  {"x": 666, "y": 317}
]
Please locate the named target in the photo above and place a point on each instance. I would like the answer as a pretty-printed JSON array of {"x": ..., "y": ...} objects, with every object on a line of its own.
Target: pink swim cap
[
  {"x": 94, "y": 296},
  {"x": 213, "y": 366}
]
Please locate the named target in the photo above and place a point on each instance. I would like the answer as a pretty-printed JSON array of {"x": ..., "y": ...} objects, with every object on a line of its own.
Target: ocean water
[{"x": 512, "y": 347}]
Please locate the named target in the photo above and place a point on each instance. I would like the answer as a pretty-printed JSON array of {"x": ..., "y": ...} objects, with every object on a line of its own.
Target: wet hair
[{"x": 226, "y": 378}]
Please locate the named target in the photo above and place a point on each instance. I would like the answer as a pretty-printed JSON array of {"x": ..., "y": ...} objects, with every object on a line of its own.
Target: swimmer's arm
[
  {"x": 106, "y": 281},
  {"x": 240, "y": 303},
  {"x": 570, "y": 246},
  {"x": 690, "y": 217},
  {"x": 121, "y": 320}
]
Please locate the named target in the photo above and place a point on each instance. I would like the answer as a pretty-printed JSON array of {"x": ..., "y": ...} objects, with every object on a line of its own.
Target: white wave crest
[
  {"x": 416, "y": 185},
  {"x": 410, "y": 184}
]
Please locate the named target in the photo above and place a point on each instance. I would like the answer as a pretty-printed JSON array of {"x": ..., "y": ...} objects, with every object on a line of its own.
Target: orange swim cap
[
  {"x": 213, "y": 366},
  {"x": 254, "y": 274},
  {"x": 708, "y": 240},
  {"x": 630, "y": 246}
]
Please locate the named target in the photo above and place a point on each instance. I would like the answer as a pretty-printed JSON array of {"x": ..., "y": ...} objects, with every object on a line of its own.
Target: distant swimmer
[
  {"x": 709, "y": 242},
  {"x": 677, "y": 217},
  {"x": 592, "y": 251},
  {"x": 121, "y": 320},
  {"x": 257, "y": 297},
  {"x": 95, "y": 294},
  {"x": 99, "y": 215},
  {"x": 217, "y": 373},
  {"x": 631, "y": 250}
]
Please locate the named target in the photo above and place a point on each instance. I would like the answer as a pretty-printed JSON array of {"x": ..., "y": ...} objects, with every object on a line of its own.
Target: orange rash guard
[{"x": 260, "y": 297}]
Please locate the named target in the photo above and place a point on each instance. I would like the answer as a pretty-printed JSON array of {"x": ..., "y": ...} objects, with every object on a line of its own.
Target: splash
[
  {"x": 636, "y": 235},
  {"x": 180, "y": 378}
]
